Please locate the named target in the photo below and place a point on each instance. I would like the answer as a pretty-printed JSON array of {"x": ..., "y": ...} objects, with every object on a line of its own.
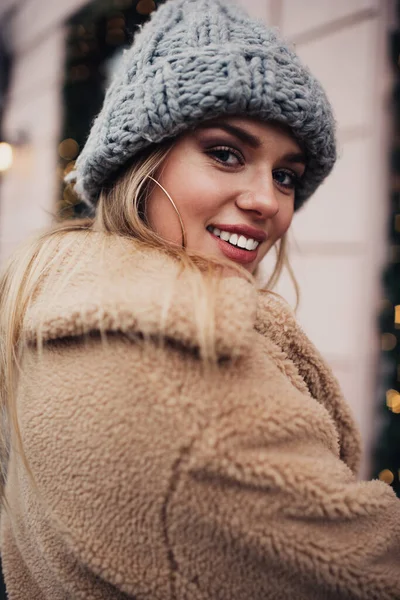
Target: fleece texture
[
  {"x": 196, "y": 60},
  {"x": 154, "y": 482}
]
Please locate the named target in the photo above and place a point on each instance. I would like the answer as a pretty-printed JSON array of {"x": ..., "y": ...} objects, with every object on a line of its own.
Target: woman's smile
[{"x": 236, "y": 247}]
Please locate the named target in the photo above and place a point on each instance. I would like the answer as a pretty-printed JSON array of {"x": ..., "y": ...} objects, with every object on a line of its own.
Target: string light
[
  {"x": 116, "y": 30},
  {"x": 387, "y": 476},
  {"x": 397, "y": 316},
  {"x": 388, "y": 342},
  {"x": 68, "y": 149},
  {"x": 6, "y": 156},
  {"x": 116, "y": 22},
  {"x": 145, "y": 7},
  {"x": 393, "y": 401}
]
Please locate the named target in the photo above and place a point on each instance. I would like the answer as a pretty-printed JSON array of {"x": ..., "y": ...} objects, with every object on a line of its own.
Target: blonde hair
[{"x": 121, "y": 211}]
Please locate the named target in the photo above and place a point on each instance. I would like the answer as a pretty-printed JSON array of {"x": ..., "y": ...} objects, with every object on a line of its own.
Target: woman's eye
[
  {"x": 227, "y": 156},
  {"x": 286, "y": 179}
]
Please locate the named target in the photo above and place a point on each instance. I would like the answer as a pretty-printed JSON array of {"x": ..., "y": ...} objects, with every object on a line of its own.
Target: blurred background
[{"x": 56, "y": 59}]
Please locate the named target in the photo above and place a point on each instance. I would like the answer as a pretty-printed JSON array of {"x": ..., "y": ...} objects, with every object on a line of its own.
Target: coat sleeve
[{"x": 265, "y": 508}]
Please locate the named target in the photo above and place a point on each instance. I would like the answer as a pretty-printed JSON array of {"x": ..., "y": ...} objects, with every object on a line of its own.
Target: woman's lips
[{"x": 244, "y": 257}]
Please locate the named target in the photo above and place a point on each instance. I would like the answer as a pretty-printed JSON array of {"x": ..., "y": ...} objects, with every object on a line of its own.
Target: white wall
[
  {"x": 28, "y": 191},
  {"x": 340, "y": 234}
]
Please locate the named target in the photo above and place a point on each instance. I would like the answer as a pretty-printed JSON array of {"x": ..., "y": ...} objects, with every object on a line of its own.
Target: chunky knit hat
[{"x": 195, "y": 60}]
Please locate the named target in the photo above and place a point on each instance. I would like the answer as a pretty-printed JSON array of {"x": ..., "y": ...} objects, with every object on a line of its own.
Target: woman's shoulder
[{"x": 110, "y": 283}]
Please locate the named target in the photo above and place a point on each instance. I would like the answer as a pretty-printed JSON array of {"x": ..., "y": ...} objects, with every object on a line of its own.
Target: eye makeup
[{"x": 214, "y": 142}]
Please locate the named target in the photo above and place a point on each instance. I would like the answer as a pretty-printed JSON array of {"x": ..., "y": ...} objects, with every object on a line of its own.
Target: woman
[{"x": 174, "y": 434}]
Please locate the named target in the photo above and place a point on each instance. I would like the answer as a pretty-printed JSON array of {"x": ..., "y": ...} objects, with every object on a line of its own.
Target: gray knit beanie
[{"x": 195, "y": 60}]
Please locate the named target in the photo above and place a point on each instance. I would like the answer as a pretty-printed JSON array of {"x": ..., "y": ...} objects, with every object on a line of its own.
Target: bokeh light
[
  {"x": 145, "y": 7},
  {"x": 387, "y": 476},
  {"x": 397, "y": 316},
  {"x": 393, "y": 401},
  {"x": 6, "y": 156},
  {"x": 68, "y": 149},
  {"x": 388, "y": 342}
]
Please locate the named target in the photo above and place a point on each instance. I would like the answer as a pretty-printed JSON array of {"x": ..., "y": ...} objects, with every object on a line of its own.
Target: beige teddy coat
[{"x": 154, "y": 482}]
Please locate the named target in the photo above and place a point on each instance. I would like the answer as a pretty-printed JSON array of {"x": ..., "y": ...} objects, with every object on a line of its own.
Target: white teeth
[
  {"x": 242, "y": 242},
  {"x": 250, "y": 244},
  {"x": 234, "y": 239}
]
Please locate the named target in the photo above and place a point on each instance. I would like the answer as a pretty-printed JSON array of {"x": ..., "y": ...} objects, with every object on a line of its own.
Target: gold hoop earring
[{"x": 176, "y": 210}]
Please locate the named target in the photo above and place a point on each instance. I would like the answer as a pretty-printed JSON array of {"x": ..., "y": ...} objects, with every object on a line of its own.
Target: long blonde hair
[{"x": 121, "y": 211}]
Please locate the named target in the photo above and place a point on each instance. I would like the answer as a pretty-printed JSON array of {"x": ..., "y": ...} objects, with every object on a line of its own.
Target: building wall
[
  {"x": 27, "y": 192},
  {"x": 338, "y": 238}
]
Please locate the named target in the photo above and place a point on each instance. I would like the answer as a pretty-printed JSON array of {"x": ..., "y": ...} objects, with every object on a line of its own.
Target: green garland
[{"x": 387, "y": 451}]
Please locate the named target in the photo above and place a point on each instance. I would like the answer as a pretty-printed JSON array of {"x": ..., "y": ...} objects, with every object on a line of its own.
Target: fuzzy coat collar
[{"x": 111, "y": 283}]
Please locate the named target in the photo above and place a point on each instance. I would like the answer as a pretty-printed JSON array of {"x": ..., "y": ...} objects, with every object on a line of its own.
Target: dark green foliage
[{"x": 387, "y": 451}]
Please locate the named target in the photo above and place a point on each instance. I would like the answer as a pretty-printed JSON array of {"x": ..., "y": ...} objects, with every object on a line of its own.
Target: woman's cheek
[{"x": 286, "y": 219}]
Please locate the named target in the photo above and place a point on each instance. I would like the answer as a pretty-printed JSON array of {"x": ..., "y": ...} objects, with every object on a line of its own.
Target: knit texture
[{"x": 195, "y": 60}]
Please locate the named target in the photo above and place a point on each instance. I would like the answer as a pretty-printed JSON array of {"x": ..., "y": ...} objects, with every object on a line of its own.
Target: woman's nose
[{"x": 262, "y": 199}]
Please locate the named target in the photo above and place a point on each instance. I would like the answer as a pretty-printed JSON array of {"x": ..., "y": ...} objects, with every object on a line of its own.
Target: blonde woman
[{"x": 169, "y": 432}]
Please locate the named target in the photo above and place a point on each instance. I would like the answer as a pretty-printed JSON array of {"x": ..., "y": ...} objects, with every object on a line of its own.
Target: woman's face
[{"x": 233, "y": 181}]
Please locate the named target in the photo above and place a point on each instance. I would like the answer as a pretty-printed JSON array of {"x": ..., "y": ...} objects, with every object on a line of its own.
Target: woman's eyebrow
[
  {"x": 295, "y": 157},
  {"x": 251, "y": 140},
  {"x": 238, "y": 132}
]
